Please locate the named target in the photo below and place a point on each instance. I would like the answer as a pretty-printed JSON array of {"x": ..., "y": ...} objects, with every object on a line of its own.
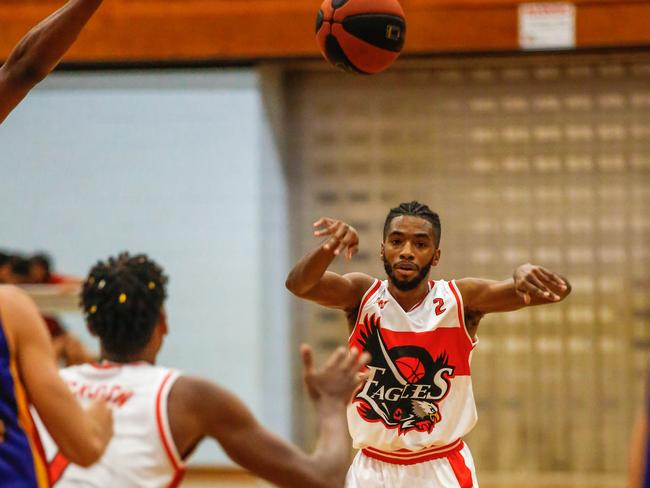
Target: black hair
[
  {"x": 415, "y": 209},
  {"x": 4, "y": 257},
  {"x": 42, "y": 259},
  {"x": 19, "y": 266},
  {"x": 122, "y": 300}
]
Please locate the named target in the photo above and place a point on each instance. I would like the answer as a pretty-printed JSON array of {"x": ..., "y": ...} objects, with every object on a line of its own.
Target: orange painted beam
[{"x": 184, "y": 30}]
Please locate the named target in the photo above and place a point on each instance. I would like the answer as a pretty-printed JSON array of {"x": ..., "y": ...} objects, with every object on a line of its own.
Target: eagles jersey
[{"x": 418, "y": 401}]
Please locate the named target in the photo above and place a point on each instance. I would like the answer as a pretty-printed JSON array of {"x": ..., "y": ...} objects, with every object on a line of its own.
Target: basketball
[
  {"x": 411, "y": 368},
  {"x": 361, "y": 36}
]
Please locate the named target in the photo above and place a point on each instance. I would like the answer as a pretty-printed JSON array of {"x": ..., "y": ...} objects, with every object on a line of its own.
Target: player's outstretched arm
[
  {"x": 81, "y": 435},
  {"x": 530, "y": 285},
  {"x": 198, "y": 408},
  {"x": 310, "y": 279},
  {"x": 38, "y": 53}
]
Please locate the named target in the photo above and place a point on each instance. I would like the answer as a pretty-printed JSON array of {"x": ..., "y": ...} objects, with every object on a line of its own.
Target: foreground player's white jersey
[
  {"x": 142, "y": 453},
  {"x": 419, "y": 393}
]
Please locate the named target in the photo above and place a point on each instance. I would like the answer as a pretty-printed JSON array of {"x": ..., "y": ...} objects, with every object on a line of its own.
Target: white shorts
[{"x": 455, "y": 470}]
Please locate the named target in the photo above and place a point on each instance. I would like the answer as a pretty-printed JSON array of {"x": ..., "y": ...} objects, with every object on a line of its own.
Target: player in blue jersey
[
  {"x": 29, "y": 375},
  {"x": 38, "y": 53}
]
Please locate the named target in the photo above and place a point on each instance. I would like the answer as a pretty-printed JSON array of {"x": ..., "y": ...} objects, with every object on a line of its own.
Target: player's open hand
[
  {"x": 339, "y": 378},
  {"x": 537, "y": 283},
  {"x": 342, "y": 237}
]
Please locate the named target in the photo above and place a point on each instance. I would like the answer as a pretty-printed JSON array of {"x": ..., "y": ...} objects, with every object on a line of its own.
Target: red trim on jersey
[
  {"x": 405, "y": 456},
  {"x": 167, "y": 443},
  {"x": 371, "y": 291},
  {"x": 111, "y": 365},
  {"x": 459, "y": 305},
  {"x": 461, "y": 312},
  {"x": 57, "y": 467},
  {"x": 462, "y": 472},
  {"x": 176, "y": 482}
]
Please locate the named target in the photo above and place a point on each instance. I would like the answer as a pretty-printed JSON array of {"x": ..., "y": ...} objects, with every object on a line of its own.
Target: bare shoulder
[
  {"x": 202, "y": 398},
  {"x": 360, "y": 281},
  {"x": 9, "y": 293},
  {"x": 470, "y": 285},
  {"x": 17, "y": 307}
]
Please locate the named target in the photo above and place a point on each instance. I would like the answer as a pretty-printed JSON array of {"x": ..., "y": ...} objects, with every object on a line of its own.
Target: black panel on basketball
[
  {"x": 380, "y": 30},
  {"x": 319, "y": 20},
  {"x": 338, "y": 3},
  {"x": 337, "y": 57}
]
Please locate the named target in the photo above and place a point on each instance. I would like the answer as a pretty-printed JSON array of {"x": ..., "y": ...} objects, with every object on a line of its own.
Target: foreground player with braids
[
  {"x": 409, "y": 418},
  {"x": 161, "y": 415},
  {"x": 38, "y": 53},
  {"x": 28, "y": 375}
]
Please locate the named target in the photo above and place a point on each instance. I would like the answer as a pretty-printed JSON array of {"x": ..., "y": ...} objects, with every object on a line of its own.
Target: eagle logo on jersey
[{"x": 405, "y": 384}]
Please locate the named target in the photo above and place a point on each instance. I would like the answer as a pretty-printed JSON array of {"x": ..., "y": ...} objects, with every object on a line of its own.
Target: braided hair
[
  {"x": 122, "y": 300},
  {"x": 415, "y": 209}
]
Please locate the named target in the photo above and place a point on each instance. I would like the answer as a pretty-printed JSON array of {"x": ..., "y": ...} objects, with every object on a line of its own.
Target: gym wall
[{"x": 539, "y": 158}]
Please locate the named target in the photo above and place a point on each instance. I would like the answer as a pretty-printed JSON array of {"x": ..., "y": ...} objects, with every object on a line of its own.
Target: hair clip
[
  {"x": 152, "y": 285},
  {"x": 122, "y": 298},
  {"x": 93, "y": 309},
  {"x": 101, "y": 285}
]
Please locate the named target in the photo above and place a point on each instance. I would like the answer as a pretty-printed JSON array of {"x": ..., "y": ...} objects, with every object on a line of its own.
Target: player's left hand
[
  {"x": 341, "y": 236},
  {"x": 338, "y": 378},
  {"x": 532, "y": 281}
]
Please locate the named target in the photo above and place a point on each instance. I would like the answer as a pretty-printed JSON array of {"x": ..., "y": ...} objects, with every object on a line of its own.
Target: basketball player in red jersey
[
  {"x": 28, "y": 374},
  {"x": 409, "y": 417},
  {"x": 38, "y": 53},
  {"x": 161, "y": 415}
]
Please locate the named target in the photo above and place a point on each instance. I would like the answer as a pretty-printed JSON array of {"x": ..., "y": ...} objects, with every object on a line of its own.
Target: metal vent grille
[{"x": 541, "y": 159}]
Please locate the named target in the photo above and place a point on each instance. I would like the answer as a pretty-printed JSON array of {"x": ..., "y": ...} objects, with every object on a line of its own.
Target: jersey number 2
[{"x": 439, "y": 302}]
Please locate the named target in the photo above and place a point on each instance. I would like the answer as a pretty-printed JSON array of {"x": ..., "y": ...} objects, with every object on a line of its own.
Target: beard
[{"x": 406, "y": 285}]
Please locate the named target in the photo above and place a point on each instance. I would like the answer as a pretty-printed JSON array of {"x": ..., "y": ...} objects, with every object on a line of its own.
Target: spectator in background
[
  {"x": 16, "y": 269},
  {"x": 19, "y": 270},
  {"x": 68, "y": 347},
  {"x": 4, "y": 266},
  {"x": 40, "y": 271}
]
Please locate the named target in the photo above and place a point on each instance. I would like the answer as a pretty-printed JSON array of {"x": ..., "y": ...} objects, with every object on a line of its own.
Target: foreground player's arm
[
  {"x": 310, "y": 279},
  {"x": 530, "y": 285},
  {"x": 205, "y": 409},
  {"x": 38, "y": 53},
  {"x": 82, "y": 435}
]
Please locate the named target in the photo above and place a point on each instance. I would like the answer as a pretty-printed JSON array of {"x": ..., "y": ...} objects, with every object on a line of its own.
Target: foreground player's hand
[
  {"x": 102, "y": 421},
  {"x": 339, "y": 378},
  {"x": 342, "y": 237},
  {"x": 533, "y": 281}
]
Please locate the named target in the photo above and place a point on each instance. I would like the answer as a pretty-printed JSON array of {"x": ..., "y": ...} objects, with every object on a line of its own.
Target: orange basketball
[{"x": 361, "y": 36}]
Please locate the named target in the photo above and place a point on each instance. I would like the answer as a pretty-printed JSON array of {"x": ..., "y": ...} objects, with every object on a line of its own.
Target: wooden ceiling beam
[{"x": 185, "y": 30}]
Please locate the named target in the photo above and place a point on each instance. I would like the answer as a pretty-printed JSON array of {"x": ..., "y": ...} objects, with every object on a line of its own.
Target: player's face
[{"x": 409, "y": 251}]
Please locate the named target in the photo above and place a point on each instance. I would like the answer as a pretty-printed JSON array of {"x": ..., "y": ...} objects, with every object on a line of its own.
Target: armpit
[{"x": 472, "y": 319}]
